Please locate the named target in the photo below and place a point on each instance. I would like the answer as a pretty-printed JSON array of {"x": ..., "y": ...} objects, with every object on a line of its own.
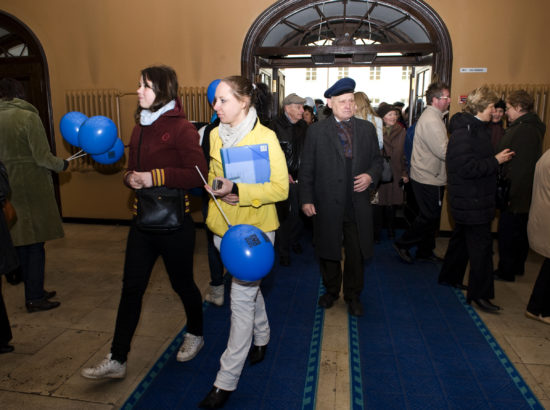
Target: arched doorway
[
  {"x": 313, "y": 33},
  {"x": 22, "y": 57}
]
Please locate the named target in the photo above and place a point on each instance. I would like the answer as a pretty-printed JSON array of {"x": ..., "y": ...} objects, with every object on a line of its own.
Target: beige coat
[
  {"x": 538, "y": 228},
  {"x": 430, "y": 148}
]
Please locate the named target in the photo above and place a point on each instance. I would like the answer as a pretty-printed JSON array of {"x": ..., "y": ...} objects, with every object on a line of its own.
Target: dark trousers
[
  {"x": 214, "y": 259},
  {"x": 539, "y": 302},
  {"x": 32, "y": 259},
  {"x": 471, "y": 243},
  {"x": 5, "y": 328},
  {"x": 383, "y": 215},
  {"x": 142, "y": 251},
  {"x": 331, "y": 271},
  {"x": 291, "y": 226},
  {"x": 423, "y": 230},
  {"x": 513, "y": 244}
]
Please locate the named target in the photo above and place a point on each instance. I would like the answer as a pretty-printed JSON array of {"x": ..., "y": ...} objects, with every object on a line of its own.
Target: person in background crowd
[
  {"x": 8, "y": 262},
  {"x": 364, "y": 111},
  {"x": 400, "y": 118},
  {"x": 428, "y": 176},
  {"x": 164, "y": 150},
  {"x": 538, "y": 229},
  {"x": 497, "y": 124},
  {"x": 321, "y": 109},
  {"x": 341, "y": 165},
  {"x": 390, "y": 194},
  {"x": 523, "y": 136},
  {"x": 290, "y": 129},
  {"x": 243, "y": 203},
  {"x": 472, "y": 170},
  {"x": 309, "y": 116},
  {"x": 26, "y": 154}
]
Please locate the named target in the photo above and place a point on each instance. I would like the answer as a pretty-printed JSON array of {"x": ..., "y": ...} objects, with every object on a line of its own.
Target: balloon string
[
  {"x": 77, "y": 155},
  {"x": 214, "y": 197}
]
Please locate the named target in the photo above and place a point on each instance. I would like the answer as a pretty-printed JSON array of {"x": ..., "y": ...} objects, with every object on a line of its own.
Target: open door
[{"x": 420, "y": 80}]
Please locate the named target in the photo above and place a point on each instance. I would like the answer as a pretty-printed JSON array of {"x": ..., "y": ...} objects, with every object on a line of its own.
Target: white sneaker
[
  {"x": 215, "y": 295},
  {"x": 190, "y": 347},
  {"x": 107, "y": 369}
]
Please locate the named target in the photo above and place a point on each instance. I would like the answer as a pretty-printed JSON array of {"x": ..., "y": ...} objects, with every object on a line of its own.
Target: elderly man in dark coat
[{"x": 341, "y": 164}]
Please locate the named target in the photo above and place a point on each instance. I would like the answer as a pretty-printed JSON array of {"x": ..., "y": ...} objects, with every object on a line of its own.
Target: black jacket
[
  {"x": 524, "y": 137},
  {"x": 471, "y": 170},
  {"x": 8, "y": 257},
  {"x": 291, "y": 137}
]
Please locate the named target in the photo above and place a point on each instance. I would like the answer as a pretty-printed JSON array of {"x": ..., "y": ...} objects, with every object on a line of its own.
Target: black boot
[{"x": 257, "y": 354}]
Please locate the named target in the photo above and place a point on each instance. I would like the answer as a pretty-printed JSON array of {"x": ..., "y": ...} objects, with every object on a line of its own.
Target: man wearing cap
[
  {"x": 428, "y": 176},
  {"x": 341, "y": 164},
  {"x": 291, "y": 132}
]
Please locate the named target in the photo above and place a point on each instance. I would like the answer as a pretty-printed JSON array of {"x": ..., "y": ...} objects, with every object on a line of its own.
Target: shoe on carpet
[
  {"x": 429, "y": 258},
  {"x": 43, "y": 304},
  {"x": 106, "y": 369},
  {"x": 355, "y": 308},
  {"x": 257, "y": 354},
  {"x": 403, "y": 253},
  {"x": 215, "y": 399},
  {"x": 485, "y": 305},
  {"x": 190, "y": 347},
  {"x": 540, "y": 318},
  {"x": 327, "y": 300},
  {"x": 297, "y": 249},
  {"x": 6, "y": 348},
  {"x": 459, "y": 286},
  {"x": 215, "y": 295}
]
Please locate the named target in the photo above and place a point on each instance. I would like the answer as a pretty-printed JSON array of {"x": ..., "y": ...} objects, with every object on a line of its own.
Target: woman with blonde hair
[
  {"x": 243, "y": 203},
  {"x": 364, "y": 111},
  {"x": 472, "y": 170}
]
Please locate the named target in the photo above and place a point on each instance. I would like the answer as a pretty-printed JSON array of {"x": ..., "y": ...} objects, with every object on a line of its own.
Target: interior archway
[{"x": 309, "y": 33}]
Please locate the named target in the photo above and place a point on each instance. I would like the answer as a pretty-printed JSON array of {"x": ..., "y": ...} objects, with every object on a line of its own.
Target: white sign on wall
[{"x": 473, "y": 69}]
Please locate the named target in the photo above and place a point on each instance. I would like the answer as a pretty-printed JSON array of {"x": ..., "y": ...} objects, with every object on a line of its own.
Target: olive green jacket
[{"x": 26, "y": 154}]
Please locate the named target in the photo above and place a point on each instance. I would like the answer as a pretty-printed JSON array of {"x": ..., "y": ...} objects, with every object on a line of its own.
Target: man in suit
[{"x": 341, "y": 164}]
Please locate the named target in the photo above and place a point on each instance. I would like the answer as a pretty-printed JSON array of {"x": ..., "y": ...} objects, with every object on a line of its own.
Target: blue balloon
[
  {"x": 211, "y": 91},
  {"x": 70, "y": 126},
  {"x": 247, "y": 252},
  {"x": 97, "y": 135},
  {"x": 112, "y": 155}
]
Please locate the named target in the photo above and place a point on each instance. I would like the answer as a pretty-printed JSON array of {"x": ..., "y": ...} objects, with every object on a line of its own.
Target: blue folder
[{"x": 247, "y": 164}]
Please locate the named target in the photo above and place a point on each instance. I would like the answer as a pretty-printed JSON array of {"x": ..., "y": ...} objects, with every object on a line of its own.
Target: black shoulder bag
[
  {"x": 159, "y": 209},
  {"x": 387, "y": 173}
]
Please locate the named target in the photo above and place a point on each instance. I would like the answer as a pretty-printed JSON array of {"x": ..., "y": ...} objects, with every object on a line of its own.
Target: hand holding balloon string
[{"x": 213, "y": 197}]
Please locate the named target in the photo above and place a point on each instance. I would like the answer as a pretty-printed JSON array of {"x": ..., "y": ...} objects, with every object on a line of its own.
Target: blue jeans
[{"x": 32, "y": 259}]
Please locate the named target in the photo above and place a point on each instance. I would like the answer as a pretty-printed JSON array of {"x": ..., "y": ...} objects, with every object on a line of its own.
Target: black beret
[{"x": 342, "y": 86}]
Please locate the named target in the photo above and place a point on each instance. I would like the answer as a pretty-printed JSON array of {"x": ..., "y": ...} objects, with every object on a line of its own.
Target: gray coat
[{"x": 321, "y": 181}]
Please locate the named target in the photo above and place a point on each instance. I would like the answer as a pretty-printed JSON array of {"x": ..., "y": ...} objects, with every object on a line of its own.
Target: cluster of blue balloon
[
  {"x": 96, "y": 136},
  {"x": 247, "y": 252}
]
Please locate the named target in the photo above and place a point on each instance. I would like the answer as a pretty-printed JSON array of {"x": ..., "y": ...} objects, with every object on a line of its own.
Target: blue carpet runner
[
  {"x": 286, "y": 379},
  {"x": 420, "y": 346}
]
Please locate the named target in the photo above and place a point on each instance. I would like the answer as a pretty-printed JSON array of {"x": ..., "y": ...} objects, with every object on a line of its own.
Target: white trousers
[{"x": 248, "y": 321}]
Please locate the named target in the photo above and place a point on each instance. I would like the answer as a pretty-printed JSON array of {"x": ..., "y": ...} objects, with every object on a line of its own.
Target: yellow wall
[{"x": 104, "y": 44}]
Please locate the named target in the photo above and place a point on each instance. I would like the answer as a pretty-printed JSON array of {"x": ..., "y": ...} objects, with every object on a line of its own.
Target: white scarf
[
  {"x": 147, "y": 117},
  {"x": 231, "y": 136}
]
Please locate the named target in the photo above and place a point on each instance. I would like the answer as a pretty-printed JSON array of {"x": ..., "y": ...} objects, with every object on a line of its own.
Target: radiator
[
  {"x": 107, "y": 102},
  {"x": 541, "y": 95},
  {"x": 104, "y": 102}
]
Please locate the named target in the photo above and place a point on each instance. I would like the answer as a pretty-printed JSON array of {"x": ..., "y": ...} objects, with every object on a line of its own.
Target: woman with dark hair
[
  {"x": 243, "y": 203},
  {"x": 390, "y": 194},
  {"x": 164, "y": 150},
  {"x": 25, "y": 151},
  {"x": 309, "y": 115},
  {"x": 524, "y": 136},
  {"x": 472, "y": 169}
]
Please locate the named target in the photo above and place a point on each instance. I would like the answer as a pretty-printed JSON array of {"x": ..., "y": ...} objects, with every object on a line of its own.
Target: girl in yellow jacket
[{"x": 252, "y": 204}]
